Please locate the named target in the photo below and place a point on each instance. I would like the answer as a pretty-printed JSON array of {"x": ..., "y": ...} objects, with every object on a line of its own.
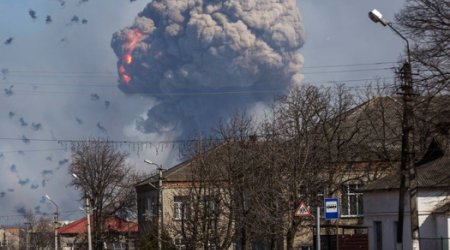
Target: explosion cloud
[{"x": 190, "y": 53}]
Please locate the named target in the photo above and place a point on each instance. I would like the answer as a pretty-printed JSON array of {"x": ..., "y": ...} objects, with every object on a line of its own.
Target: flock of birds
[
  {"x": 22, "y": 122},
  {"x": 48, "y": 19}
]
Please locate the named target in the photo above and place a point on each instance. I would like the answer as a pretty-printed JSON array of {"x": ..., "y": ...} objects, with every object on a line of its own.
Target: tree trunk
[{"x": 290, "y": 236}]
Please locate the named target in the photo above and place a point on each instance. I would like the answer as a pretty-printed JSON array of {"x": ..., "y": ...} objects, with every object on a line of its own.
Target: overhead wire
[{"x": 31, "y": 150}]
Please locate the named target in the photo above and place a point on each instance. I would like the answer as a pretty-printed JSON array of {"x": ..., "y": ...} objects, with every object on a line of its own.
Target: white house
[{"x": 433, "y": 203}]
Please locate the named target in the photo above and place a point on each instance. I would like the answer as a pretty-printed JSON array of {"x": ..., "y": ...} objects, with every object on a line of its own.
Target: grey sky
[{"x": 56, "y": 69}]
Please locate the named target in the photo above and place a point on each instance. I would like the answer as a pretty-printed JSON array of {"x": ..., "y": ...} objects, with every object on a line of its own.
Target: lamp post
[
  {"x": 88, "y": 215},
  {"x": 160, "y": 201},
  {"x": 55, "y": 220},
  {"x": 407, "y": 167},
  {"x": 27, "y": 239}
]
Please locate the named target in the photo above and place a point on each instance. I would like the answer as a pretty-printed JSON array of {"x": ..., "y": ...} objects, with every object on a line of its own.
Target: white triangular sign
[{"x": 302, "y": 210}]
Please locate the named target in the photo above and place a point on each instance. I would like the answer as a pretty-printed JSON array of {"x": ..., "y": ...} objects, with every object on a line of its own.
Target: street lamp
[
  {"x": 88, "y": 215},
  {"x": 160, "y": 202},
  {"x": 55, "y": 220},
  {"x": 377, "y": 17},
  {"x": 407, "y": 161}
]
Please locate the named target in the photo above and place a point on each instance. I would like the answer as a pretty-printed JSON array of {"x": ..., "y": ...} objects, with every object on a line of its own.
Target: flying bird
[
  {"x": 5, "y": 73},
  {"x": 84, "y": 21},
  {"x": 75, "y": 19},
  {"x": 107, "y": 103},
  {"x": 99, "y": 126},
  {"x": 46, "y": 173},
  {"x": 79, "y": 121},
  {"x": 62, "y": 162},
  {"x": 34, "y": 186},
  {"x": 25, "y": 139},
  {"x": 8, "y": 41},
  {"x": 9, "y": 91},
  {"x": 37, "y": 210},
  {"x": 48, "y": 19},
  {"x": 11, "y": 114},
  {"x": 36, "y": 126},
  {"x": 21, "y": 210},
  {"x": 13, "y": 168},
  {"x": 95, "y": 97},
  {"x": 23, "y": 123},
  {"x": 23, "y": 182},
  {"x": 32, "y": 14}
]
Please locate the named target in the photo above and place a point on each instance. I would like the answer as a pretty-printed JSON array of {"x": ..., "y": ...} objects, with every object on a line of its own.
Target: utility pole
[
  {"x": 56, "y": 230},
  {"x": 88, "y": 214},
  {"x": 160, "y": 201},
  {"x": 88, "y": 222},
  {"x": 160, "y": 207},
  {"x": 407, "y": 167},
  {"x": 55, "y": 219},
  {"x": 27, "y": 240},
  {"x": 318, "y": 228}
]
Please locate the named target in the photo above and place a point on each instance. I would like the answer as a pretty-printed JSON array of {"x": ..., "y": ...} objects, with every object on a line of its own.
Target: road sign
[
  {"x": 331, "y": 208},
  {"x": 302, "y": 210}
]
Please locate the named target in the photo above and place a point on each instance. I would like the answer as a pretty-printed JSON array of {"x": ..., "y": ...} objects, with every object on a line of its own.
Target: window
[
  {"x": 179, "y": 243},
  {"x": 211, "y": 245},
  {"x": 179, "y": 207},
  {"x": 150, "y": 208},
  {"x": 210, "y": 207},
  {"x": 352, "y": 203}
]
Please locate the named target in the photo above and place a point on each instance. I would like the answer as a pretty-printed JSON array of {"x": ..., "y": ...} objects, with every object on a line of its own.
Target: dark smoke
[{"x": 204, "y": 58}]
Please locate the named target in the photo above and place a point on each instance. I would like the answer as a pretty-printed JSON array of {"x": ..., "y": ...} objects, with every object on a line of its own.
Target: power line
[
  {"x": 347, "y": 71},
  {"x": 94, "y": 84},
  {"x": 198, "y": 93},
  {"x": 67, "y": 75},
  {"x": 105, "y": 141},
  {"x": 348, "y": 65},
  {"x": 32, "y": 150},
  {"x": 115, "y": 73}
]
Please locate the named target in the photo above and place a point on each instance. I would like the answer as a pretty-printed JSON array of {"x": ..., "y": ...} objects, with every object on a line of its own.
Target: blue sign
[{"x": 331, "y": 208}]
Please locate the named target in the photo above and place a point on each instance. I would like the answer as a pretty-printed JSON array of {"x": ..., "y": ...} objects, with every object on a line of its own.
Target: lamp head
[
  {"x": 377, "y": 17},
  {"x": 48, "y": 197},
  {"x": 75, "y": 176},
  {"x": 149, "y": 162}
]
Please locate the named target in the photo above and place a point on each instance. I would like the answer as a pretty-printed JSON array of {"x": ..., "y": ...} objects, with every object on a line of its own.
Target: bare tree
[
  {"x": 427, "y": 23},
  {"x": 219, "y": 210},
  {"x": 40, "y": 231},
  {"x": 105, "y": 179}
]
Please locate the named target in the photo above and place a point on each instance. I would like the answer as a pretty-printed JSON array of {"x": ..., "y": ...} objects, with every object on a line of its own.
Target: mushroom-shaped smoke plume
[{"x": 202, "y": 58}]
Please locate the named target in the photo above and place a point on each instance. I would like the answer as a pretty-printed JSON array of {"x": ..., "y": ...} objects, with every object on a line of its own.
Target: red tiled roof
[{"x": 111, "y": 224}]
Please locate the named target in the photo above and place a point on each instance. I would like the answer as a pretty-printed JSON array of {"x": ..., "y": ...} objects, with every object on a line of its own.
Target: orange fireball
[
  {"x": 126, "y": 79},
  {"x": 133, "y": 38},
  {"x": 127, "y": 58}
]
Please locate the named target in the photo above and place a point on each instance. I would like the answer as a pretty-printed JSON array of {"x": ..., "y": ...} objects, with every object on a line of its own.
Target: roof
[
  {"x": 184, "y": 171},
  {"x": 180, "y": 172},
  {"x": 112, "y": 223},
  {"x": 444, "y": 209},
  {"x": 433, "y": 173}
]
